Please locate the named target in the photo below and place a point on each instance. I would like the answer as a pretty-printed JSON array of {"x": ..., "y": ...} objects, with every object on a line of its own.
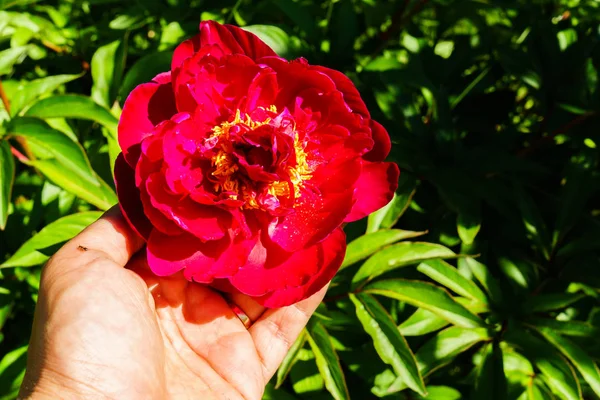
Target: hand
[{"x": 106, "y": 327}]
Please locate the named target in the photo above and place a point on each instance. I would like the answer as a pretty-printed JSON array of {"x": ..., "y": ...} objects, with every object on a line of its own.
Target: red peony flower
[{"x": 239, "y": 167}]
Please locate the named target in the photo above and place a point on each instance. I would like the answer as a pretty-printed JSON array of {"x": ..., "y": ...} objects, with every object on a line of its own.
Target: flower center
[{"x": 231, "y": 179}]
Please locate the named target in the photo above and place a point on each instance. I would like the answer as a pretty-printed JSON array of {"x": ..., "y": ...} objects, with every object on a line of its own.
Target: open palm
[{"x": 104, "y": 331}]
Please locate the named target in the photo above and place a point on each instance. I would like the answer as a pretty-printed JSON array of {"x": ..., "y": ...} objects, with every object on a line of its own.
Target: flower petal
[
  {"x": 146, "y": 106},
  {"x": 201, "y": 261},
  {"x": 346, "y": 86},
  {"x": 382, "y": 145},
  {"x": 374, "y": 189},
  {"x": 312, "y": 219},
  {"x": 129, "y": 198},
  {"x": 233, "y": 39},
  {"x": 327, "y": 255},
  {"x": 168, "y": 254},
  {"x": 204, "y": 222}
]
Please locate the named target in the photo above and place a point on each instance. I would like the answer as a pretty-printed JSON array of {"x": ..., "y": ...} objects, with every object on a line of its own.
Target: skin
[{"x": 106, "y": 327}]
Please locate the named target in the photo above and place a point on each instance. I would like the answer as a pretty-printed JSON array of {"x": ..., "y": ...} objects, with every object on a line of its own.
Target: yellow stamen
[{"x": 225, "y": 168}]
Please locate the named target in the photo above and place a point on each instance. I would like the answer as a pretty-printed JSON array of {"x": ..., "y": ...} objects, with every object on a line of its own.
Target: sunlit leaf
[
  {"x": 446, "y": 345},
  {"x": 27, "y": 91},
  {"x": 427, "y": 296},
  {"x": 275, "y": 37},
  {"x": 63, "y": 161},
  {"x": 468, "y": 225},
  {"x": 107, "y": 71},
  {"x": 445, "y": 274},
  {"x": 365, "y": 245},
  {"x": 290, "y": 359},
  {"x": 556, "y": 371},
  {"x": 579, "y": 357},
  {"x": 10, "y": 57},
  {"x": 12, "y": 370},
  {"x": 422, "y": 322},
  {"x": 52, "y": 234},
  {"x": 389, "y": 343},
  {"x": 73, "y": 106},
  {"x": 327, "y": 361},
  {"x": 396, "y": 256}
]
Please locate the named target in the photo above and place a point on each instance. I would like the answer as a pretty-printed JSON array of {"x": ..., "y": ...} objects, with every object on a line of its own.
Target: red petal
[
  {"x": 204, "y": 222},
  {"x": 382, "y": 145},
  {"x": 129, "y": 198},
  {"x": 374, "y": 189},
  {"x": 295, "y": 77},
  {"x": 327, "y": 256},
  {"x": 313, "y": 218},
  {"x": 146, "y": 106},
  {"x": 202, "y": 262},
  {"x": 233, "y": 39},
  {"x": 184, "y": 51},
  {"x": 269, "y": 268},
  {"x": 169, "y": 254},
  {"x": 346, "y": 86}
]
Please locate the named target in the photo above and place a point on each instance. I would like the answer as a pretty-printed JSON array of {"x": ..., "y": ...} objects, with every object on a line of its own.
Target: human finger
[
  {"x": 110, "y": 238},
  {"x": 247, "y": 305},
  {"x": 277, "y": 329}
]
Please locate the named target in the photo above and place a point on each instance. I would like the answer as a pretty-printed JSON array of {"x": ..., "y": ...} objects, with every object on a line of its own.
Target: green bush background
[{"x": 480, "y": 280}]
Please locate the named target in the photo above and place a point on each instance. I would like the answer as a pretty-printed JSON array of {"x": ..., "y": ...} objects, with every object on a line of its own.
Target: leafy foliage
[{"x": 492, "y": 107}]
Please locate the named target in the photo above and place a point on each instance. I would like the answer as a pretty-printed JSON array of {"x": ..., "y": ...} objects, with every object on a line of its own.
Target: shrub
[{"x": 480, "y": 279}]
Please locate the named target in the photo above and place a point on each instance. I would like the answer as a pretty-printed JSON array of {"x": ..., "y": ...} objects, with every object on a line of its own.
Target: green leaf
[
  {"x": 396, "y": 256},
  {"x": 12, "y": 370},
  {"x": 556, "y": 371},
  {"x": 446, "y": 345},
  {"x": 327, "y": 361},
  {"x": 122, "y": 22},
  {"x": 445, "y": 274},
  {"x": 290, "y": 359},
  {"x": 389, "y": 215},
  {"x": 144, "y": 70},
  {"x": 108, "y": 63},
  {"x": 427, "y": 296},
  {"x": 27, "y": 91},
  {"x": 305, "y": 376},
  {"x": 365, "y": 245},
  {"x": 485, "y": 278},
  {"x": 73, "y": 106},
  {"x": 53, "y": 234},
  {"x": 10, "y": 57},
  {"x": 7, "y": 177},
  {"x": 550, "y": 302},
  {"x": 422, "y": 322},
  {"x": 274, "y": 37},
  {"x": 440, "y": 393},
  {"x": 567, "y": 328},
  {"x": 389, "y": 343},
  {"x": 579, "y": 357},
  {"x": 534, "y": 223},
  {"x": 62, "y": 160},
  {"x": 491, "y": 381},
  {"x": 468, "y": 225}
]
